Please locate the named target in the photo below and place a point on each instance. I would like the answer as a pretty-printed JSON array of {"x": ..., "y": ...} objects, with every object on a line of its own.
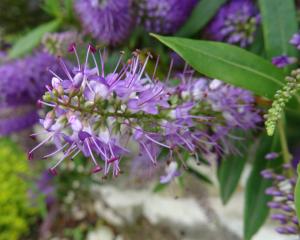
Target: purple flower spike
[
  {"x": 109, "y": 21},
  {"x": 165, "y": 16},
  {"x": 236, "y": 23},
  {"x": 283, "y": 61},
  {"x": 283, "y": 202}
]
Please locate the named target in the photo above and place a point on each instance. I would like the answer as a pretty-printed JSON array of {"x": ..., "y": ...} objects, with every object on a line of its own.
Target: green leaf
[
  {"x": 279, "y": 24},
  {"x": 200, "y": 16},
  {"x": 52, "y": 7},
  {"x": 229, "y": 173},
  {"x": 32, "y": 39},
  {"x": 199, "y": 175},
  {"x": 255, "y": 209},
  {"x": 297, "y": 193},
  {"x": 228, "y": 63},
  {"x": 159, "y": 187}
]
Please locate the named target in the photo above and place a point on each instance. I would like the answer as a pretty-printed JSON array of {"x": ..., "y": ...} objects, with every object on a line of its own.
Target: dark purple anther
[
  {"x": 53, "y": 171},
  {"x": 92, "y": 48},
  {"x": 96, "y": 169},
  {"x": 72, "y": 47},
  {"x": 30, "y": 155}
]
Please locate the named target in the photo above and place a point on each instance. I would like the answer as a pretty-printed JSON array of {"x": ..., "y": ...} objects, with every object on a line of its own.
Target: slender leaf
[
  {"x": 297, "y": 193},
  {"x": 229, "y": 173},
  {"x": 279, "y": 24},
  {"x": 199, "y": 175},
  {"x": 52, "y": 7},
  {"x": 200, "y": 16},
  {"x": 228, "y": 63},
  {"x": 255, "y": 209},
  {"x": 159, "y": 187},
  {"x": 32, "y": 39}
]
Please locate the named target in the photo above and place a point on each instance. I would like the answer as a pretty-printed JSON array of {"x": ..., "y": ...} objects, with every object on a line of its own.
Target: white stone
[{"x": 103, "y": 233}]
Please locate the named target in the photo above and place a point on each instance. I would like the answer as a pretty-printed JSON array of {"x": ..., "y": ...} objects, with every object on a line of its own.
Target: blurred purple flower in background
[
  {"x": 22, "y": 83},
  {"x": 164, "y": 17},
  {"x": 109, "y": 21},
  {"x": 236, "y": 23},
  {"x": 295, "y": 40},
  {"x": 283, "y": 61},
  {"x": 45, "y": 186}
]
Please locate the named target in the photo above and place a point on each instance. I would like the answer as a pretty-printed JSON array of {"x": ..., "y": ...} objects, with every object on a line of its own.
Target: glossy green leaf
[
  {"x": 255, "y": 209},
  {"x": 32, "y": 39},
  {"x": 279, "y": 24},
  {"x": 200, "y": 16},
  {"x": 228, "y": 63},
  {"x": 229, "y": 173}
]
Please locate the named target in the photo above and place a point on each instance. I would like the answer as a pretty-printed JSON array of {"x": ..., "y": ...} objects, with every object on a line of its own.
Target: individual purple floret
[
  {"x": 295, "y": 40},
  {"x": 22, "y": 83},
  {"x": 109, "y": 21},
  {"x": 236, "y": 23},
  {"x": 171, "y": 173},
  {"x": 164, "y": 17},
  {"x": 282, "y": 191},
  {"x": 271, "y": 155},
  {"x": 102, "y": 114},
  {"x": 283, "y": 61}
]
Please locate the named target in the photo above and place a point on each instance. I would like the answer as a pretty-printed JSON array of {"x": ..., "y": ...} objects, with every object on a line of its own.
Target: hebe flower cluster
[
  {"x": 109, "y": 21},
  {"x": 163, "y": 17},
  {"x": 236, "y": 23},
  {"x": 100, "y": 114},
  {"x": 22, "y": 83},
  {"x": 282, "y": 191}
]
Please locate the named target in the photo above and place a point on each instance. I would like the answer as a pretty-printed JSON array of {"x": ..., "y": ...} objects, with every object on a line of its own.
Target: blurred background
[{"x": 75, "y": 204}]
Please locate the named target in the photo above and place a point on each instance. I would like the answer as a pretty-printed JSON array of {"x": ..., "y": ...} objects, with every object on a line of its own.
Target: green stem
[{"x": 283, "y": 141}]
